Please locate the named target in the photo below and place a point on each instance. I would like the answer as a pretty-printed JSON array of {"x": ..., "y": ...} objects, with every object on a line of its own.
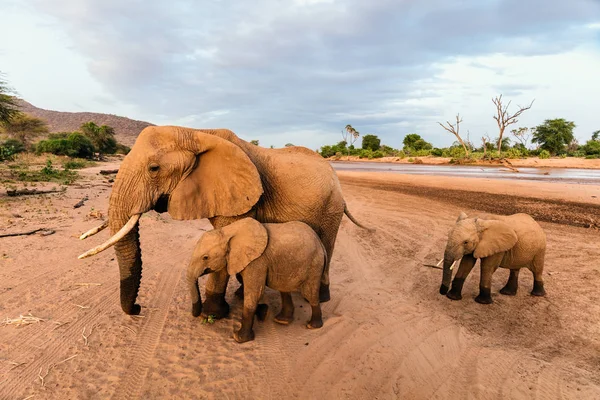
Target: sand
[{"x": 387, "y": 332}]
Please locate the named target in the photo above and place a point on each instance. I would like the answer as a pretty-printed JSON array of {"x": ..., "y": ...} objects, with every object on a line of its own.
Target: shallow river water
[{"x": 562, "y": 175}]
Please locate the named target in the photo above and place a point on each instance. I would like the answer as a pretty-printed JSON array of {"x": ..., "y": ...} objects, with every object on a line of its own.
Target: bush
[
  {"x": 7, "y": 153},
  {"x": 75, "y": 164},
  {"x": 512, "y": 153},
  {"x": 591, "y": 147},
  {"x": 73, "y": 145},
  {"x": 378, "y": 154},
  {"x": 454, "y": 152},
  {"x": 544, "y": 154},
  {"x": 436, "y": 152},
  {"x": 122, "y": 149},
  {"x": 16, "y": 145},
  {"x": 592, "y": 156},
  {"x": 577, "y": 153}
]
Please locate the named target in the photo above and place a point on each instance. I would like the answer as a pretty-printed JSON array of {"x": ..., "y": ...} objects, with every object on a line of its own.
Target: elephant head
[
  {"x": 191, "y": 174},
  {"x": 233, "y": 247},
  {"x": 479, "y": 237}
]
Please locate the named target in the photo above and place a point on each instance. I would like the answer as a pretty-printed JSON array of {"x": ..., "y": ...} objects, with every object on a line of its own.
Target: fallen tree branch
[
  {"x": 81, "y": 202},
  {"x": 108, "y": 171},
  {"x": 46, "y": 232},
  {"x": 27, "y": 192}
]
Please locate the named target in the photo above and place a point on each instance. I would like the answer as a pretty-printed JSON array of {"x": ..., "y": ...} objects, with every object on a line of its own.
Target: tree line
[
  {"x": 20, "y": 130},
  {"x": 554, "y": 137}
]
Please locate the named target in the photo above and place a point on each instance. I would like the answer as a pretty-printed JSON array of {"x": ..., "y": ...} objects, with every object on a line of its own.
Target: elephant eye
[
  {"x": 205, "y": 257},
  {"x": 466, "y": 242},
  {"x": 153, "y": 167}
]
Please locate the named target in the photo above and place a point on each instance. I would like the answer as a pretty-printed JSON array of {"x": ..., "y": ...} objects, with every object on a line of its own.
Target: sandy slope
[{"x": 388, "y": 334}]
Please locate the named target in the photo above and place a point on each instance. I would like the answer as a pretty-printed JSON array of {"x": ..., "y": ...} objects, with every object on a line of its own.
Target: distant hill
[{"x": 126, "y": 130}]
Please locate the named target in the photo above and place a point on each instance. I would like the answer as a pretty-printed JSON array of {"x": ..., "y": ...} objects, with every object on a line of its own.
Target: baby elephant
[
  {"x": 512, "y": 242},
  {"x": 287, "y": 257}
]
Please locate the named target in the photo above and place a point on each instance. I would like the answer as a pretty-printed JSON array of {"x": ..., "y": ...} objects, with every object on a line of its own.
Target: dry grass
[{"x": 21, "y": 320}]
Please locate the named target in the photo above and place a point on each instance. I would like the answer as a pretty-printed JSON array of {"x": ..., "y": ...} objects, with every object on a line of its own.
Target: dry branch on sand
[
  {"x": 85, "y": 338},
  {"x": 108, "y": 171},
  {"x": 21, "y": 320},
  {"x": 28, "y": 192},
  {"x": 44, "y": 232},
  {"x": 81, "y": 202}
]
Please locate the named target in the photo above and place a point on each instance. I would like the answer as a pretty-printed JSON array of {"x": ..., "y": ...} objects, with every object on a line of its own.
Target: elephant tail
[{"x": 355, "y": 221}]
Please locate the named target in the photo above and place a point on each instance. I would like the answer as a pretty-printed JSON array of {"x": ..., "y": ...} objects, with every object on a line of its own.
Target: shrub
[
  {"x": 7, "y": 153},
  {"x": 122, "y": 149},
  {"x": 378, "y": 154},
  {"x": 512, "y": 153},
  {"x": 16, "y": 145},
  {"x": 592, "y": 156},
  {"x": 411, "y": 160},
  {"x": 436, "y": 152},
  {"x": 73, "y": 145},
  {"x": 577, "y": 153},
  {"x": 75, "y": 164},
  {"x": 591, "y": 147},
  {"x": 544, "y": 154}
]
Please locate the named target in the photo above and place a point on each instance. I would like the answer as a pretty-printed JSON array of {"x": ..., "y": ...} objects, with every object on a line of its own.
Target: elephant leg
[
  {"x": 510, "y": 289},
  {"x": 466, "y": 265},
  {"x": 286, "y": 315},
  {"x": 537, "y": 269},
  {"x": 310, "y": 291},
  {"x": 215, "y": 303},
  {"x": 239, "y": 293},
  {"x": 488, "y": 267},
  {"x": 252, "y": 294},
  {"x": 328, "y": 235}
]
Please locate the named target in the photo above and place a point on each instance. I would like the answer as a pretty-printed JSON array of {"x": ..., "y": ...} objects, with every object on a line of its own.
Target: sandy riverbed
[{"x": 388, "y": 334}]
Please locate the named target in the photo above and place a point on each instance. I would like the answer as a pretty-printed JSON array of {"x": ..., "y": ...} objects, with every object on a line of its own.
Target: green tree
[
  {"x": 23, "y": 127},
  {"x": 8, "y": 104},
  {"x": 371, "y": 142},
  {"x": 103, "y": 137},
  {"x": 596, "y": 136},
  {"x": 254, "y": 142},
  {"x": 416, "y": 142},
  {"x": 554, "y": 135},
  {"x": 505, "y": 143},
  {"x": 289, "y": 145}
]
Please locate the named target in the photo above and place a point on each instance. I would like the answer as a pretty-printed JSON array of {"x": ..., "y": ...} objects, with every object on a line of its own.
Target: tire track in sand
[{"x": 131, "y": 384}]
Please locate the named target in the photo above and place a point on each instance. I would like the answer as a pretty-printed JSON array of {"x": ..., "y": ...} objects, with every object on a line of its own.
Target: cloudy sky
[{"x": 299, "y": 70}]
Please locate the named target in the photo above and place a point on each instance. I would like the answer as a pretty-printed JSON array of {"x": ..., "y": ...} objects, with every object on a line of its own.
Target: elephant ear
[
  {"x": 223, "y": 182},
  {"x": 248, "y": 240},
  {"x": 495, "y": 237}
]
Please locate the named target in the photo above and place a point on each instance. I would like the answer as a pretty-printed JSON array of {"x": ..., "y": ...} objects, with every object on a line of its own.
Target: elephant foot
[
  {"x": 444, "y": 289},
  {"x": 283, "y": 318},
  {"x": 314, "y": 324},
  {"x": 324, "y": 295},
  {"x": 484, "y": 297},
  {"x": 134, "y": 309},
  {"x": 215, "y": 305},
  {"x": 453, "y": 295},
  {"x": 508, "y": 290},
  {"x": 239, "y": 293},
  {"x": 197, "y": 309},
  {"x": 261, "y": 312},
  {"x": 241, "y": 336},
  {"x": 538, "y": 289}
]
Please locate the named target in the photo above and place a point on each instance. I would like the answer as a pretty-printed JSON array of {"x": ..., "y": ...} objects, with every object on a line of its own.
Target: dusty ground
[
  {"x": 570, "y": 162},
  {"x": 388, "y": 334}
]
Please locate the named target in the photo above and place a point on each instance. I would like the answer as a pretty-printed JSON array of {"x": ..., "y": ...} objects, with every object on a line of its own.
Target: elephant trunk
[
  {"x": 127, "y": 249},
  {"x": 447, "y": 276},
  {"x": 192, "y": 280}
]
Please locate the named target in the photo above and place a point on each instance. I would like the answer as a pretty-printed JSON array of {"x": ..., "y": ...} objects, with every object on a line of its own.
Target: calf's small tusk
[
  {"x": 93, "y": 231},
  {"x": 452, "y": 266},
  {"x": 114, "y": 239},
  {"x": 438, "y": 264}
]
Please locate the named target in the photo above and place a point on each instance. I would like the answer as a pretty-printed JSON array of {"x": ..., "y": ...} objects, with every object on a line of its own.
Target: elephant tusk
[
  {"x": 93, "y": 231},
  {"x": 452, "y": 266},
  {"x": 438, "y": 264},
  {"x": 114, "y": 239}
]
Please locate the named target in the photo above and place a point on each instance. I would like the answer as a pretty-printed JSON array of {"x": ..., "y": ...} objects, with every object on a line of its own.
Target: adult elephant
[{"x": 213, "y": 174}]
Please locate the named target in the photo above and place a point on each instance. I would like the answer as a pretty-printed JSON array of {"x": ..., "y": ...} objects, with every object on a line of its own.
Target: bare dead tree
[
  {"x": 504, "y": 119},
  {"x": 485, "y": 141},
  {"x": 455, "y": 130}
]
